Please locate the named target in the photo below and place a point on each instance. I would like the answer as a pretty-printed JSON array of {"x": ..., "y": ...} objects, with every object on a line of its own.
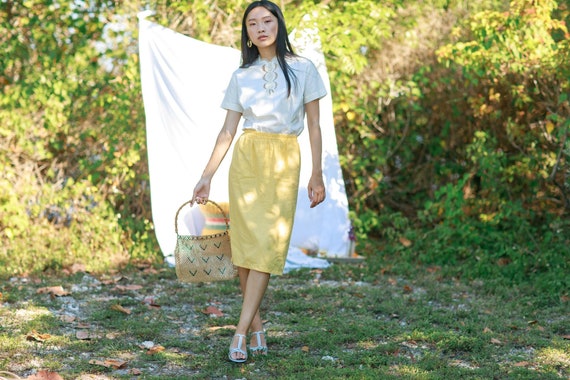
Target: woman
[{"x": 273, "y": 90}]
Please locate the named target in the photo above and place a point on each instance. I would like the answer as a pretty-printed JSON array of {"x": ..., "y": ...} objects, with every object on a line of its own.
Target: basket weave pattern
[{"x": 203, "y": 258}]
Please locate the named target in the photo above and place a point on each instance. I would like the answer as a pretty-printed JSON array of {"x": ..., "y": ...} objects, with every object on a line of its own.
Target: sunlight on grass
[
  {"x": 462, "y": 364},
  {"x": 554, "y": 357},
  {"x": 408, "y": 370},
  {"x": 26, "y": 315},
  {"x": 418, "y": 336},
  {"x": 377, "y": 332},
  {"x": 368, "y": 345},
  {"x": 11, "y": 344}
]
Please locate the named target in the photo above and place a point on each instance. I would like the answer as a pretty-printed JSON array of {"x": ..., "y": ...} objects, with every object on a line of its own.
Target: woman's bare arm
[
  {"x": 223, "y": 143},
  {"x": 316, "y": 185}
]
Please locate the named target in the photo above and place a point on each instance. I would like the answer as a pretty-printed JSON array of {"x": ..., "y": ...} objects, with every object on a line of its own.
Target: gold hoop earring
[{"x": 249, "y": 43}]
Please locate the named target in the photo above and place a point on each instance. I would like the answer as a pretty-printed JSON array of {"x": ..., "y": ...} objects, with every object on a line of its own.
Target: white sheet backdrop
[{"x": 183, "y": 82}]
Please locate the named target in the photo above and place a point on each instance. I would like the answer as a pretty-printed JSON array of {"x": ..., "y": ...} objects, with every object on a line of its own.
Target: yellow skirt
[{"x": 263, "y": 187}]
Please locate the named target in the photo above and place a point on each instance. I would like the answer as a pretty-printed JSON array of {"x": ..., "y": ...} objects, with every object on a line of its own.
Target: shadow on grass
[{"x": 352, "y": 321}]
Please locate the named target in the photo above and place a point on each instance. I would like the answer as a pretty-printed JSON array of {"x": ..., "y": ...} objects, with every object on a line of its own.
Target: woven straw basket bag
[{"x": 204, "y": 258}]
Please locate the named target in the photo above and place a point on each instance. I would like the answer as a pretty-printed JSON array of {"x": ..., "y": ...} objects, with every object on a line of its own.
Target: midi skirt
[{"x": 263, "y": 188}]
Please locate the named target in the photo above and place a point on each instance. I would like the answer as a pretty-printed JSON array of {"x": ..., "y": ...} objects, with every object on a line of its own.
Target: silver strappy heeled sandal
[
  {"x": 238, "y": 350},
  {"x": 259, "y": 349}
]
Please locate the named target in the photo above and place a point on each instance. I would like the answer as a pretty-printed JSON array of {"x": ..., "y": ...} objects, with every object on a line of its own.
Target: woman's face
[{"x": 262, "y": 27}]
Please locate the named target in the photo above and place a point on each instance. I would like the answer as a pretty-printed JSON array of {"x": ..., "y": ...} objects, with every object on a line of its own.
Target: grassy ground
[{"x": 346, "y": 322}]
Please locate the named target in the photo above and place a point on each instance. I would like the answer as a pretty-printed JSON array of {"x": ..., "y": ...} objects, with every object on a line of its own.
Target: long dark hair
[{"x": 284, "y": 48}]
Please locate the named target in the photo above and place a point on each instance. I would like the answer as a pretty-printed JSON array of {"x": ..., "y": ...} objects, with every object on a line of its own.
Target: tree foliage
[
  {"x": 71, "y": 135},
  {"x": 515, "y": 75}
]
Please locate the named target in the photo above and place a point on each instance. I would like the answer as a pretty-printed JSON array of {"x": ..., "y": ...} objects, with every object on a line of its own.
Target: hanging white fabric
[{"x": 183, "y": 83}]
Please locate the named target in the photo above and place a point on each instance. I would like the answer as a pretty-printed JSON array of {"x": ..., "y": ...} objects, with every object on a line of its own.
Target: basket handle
[{"x": 190, "y": 203}]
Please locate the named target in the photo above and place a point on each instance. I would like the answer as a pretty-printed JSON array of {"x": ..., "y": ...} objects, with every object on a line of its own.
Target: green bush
[
  {"x": 75, "y": 187},
  {"x": 469, "y": 144},
  {"x": 482, "y": 112},
  {"x": 52, "y": 227}
]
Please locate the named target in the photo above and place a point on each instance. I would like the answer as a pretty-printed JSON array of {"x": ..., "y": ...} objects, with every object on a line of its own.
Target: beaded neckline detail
[{"x": 270, "y": 76}]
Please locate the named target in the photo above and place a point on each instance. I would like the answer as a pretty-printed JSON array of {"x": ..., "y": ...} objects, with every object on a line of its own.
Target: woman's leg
[
  {"x": 256, "y": 324},
  {"x": 253, "y": 284}
]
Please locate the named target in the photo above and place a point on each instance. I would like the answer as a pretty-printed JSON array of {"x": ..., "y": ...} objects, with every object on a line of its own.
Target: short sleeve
[
  {"x": 314, "y": 86},
  {"x": 231, "y": 97}
]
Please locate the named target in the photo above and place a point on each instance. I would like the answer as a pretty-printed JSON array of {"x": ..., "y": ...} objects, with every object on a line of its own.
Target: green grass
[{"x": 352, "y": 321}]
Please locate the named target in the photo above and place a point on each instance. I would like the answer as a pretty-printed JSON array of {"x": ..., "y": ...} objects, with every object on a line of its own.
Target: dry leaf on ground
[
  {"x": 82, "y": 335},
  {"x": 45, "y": 375},
  {"x": 216, "y": 328},
  {"x": 74, "y": 268},
  {"x": 155, "y": 349},
  {"x": 57, "y": 291},
  {"x": 109, "y": 363},
  {"x": 522, "y": 364},
  {"x": 34, "y": 335},
  {"x": 405, "y": 242},
  {"x": 212, "y": 310},
  {"x": 86, "y": 335},
  {"x": 120, "y": 308},
  {"x": 127, "y": 287},
  {"x": 67, "y": 318},
  {"x": 112, "y": 335}
]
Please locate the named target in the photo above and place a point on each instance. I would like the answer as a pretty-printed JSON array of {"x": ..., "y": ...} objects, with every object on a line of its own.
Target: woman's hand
[
  {"x": 201, "y": 191},
  {"x": 316, "y": 187}
]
